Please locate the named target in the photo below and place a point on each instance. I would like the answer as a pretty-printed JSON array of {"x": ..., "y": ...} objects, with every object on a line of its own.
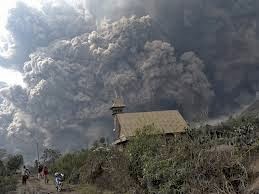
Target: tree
[
  {"x": 14, "y": 162},
  {"x": 36, "y": 164},
  {"x": 50, "y": 156},
  {"x": 3, "y": 154},
  {"x": 102, "y": 142},
  {"x": 2, "y": 169}
]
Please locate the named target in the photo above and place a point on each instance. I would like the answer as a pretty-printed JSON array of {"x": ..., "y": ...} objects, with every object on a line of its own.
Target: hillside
[
  {"x": 211, "y": 159},
  {"x": 252, "y": 110}
]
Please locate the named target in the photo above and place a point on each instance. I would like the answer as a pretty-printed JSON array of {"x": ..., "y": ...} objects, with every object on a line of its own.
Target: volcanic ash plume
[
  {"x": 32, "y": 28},
  {"x": 73, "y": 65},
  {"x": 71, "y": 82}
]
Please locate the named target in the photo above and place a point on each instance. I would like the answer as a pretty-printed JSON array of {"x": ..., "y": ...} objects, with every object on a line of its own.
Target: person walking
[
  {"x": 25, "y": 175},
  {"x": 59, "y": 179},
  {"x": 40, "y": 169},
  {"x": 45, "y": 174}
]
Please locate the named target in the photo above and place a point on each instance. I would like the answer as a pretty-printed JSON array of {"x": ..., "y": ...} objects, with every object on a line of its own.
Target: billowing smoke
[
  {"x": 196, "y": 56},
  {"x": 32, "y": 28},
  {"x": 225, "y": 35}
]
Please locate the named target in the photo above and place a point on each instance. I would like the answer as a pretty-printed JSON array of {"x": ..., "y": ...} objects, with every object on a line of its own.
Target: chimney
[{"x": 117, "y": 106}]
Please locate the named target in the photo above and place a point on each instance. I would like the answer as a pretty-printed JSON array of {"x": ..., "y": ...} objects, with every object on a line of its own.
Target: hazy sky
[
  {"x": 11, "y": 77},
  {"x": 6, "y": 48}
]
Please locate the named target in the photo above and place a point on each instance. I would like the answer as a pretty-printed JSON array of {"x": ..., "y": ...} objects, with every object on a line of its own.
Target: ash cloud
[
  {"x": 224, "y": 34},
  {"x": 76, "y": 79},
  {"x": 171, "y": 54},
  {"x": 31, "y": 28}
]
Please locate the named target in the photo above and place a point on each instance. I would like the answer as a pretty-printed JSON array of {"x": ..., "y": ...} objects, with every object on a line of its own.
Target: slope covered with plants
[{"x": 206, "y": 160}]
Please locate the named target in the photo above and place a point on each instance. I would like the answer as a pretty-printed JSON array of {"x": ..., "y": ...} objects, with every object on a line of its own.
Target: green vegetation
[
  {"x": 14, "y": 163},
  {"x": 49, "y": 156},
  {"x": 8, "y": 169},
  {"x": 7, "y": 183},
  {"x": 205, "y": 160},
  {"x": 91, "y": 189}
]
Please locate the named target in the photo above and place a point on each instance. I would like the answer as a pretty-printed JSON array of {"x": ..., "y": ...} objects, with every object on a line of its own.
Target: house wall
[{"x": 116, "y": 127}]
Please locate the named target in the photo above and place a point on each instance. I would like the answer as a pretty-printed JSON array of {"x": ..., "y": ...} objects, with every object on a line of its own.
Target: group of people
[{"x": 43, "y": 172}]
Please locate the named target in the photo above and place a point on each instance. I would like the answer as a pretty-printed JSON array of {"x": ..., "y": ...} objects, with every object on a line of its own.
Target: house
[{"x": 126, "y": 125}]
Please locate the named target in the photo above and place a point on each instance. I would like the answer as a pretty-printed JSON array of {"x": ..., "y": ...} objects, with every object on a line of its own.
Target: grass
[
  {"x": 91, "y": 189},
  {"x": 7, "y": 183}
]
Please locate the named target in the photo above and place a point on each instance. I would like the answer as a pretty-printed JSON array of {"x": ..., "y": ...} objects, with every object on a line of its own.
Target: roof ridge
[{"x": 149, "y": 112}]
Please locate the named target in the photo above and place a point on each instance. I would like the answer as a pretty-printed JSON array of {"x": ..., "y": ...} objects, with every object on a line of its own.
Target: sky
[{"x": 10, "y": 77}]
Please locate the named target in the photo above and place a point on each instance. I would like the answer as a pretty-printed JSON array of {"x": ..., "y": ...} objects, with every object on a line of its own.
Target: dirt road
[{"x": 35, "y": 186}]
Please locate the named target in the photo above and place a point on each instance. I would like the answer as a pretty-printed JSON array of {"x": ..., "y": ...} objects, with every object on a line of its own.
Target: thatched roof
[{"x": 167, "y": 122}]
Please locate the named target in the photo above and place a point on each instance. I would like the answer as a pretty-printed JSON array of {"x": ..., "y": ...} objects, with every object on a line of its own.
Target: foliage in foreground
[
  {"x": 7, "y": 183},
  {"x": 205, "y": 160},
  {"x": 188, "y": 164},
  {"x": 8, "y": 168}
]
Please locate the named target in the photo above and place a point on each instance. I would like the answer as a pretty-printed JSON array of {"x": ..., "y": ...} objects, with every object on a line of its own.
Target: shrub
[
  {"x": 69, "y": 164},
  {"x": 7, "y": 183},
  {"x": 205, "y": 160},
  {"x": 14, "y": 163},
  {"x": 193, "y": 163},
  {"x": 108, "y": 169},
  {"x": 2, "y": 169},
  {"x": 49, "y": 156}
]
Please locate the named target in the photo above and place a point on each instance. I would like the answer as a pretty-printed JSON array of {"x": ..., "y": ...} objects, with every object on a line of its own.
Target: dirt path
[{"x": 35, "y": 186}]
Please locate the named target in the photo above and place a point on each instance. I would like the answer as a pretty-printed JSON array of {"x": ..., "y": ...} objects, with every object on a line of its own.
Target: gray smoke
[
  {"x": 225, "y": 35},
  {"x": 171, "y": 54},
  {"x": 32, "y": 28}
]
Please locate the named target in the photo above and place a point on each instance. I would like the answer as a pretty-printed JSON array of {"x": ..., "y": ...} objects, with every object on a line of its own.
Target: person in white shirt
[{"x": 25, "y": 175}]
